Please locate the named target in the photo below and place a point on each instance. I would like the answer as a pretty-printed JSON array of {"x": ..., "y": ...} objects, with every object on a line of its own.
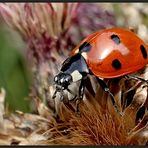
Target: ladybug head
[
  {"x": 62, "y": 80},
  {"x": 73, "y": 69}
]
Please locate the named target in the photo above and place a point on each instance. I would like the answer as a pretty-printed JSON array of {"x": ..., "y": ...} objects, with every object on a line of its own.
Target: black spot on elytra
[
  {"x": 116, "y": 64},
  {"x": 143, "y": 51},
  {"x": 85, "y": 47},
  {"x": 115, "y": 38}
]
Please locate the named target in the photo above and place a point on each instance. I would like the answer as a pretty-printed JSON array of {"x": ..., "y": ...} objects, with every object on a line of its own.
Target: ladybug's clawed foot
[
  {"x": 78, "y": 101},
  {"x": 114, "y": 103},
  {"x": 73, "y": 99},
  {"x": 61, "y": 97},
  {"x": 117, "y": 110}
]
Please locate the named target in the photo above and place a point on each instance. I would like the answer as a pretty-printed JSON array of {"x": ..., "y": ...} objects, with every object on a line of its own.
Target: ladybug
[{"x": 108, "y": 53}]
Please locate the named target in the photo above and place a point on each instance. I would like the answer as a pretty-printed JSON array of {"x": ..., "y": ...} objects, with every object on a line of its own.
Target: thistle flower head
[
  {"x": 42, "y": 25},
  {"x": 100, "y": 124},
  {"x": 97, "y": 124},
  {"x": 45, "y": 28}
]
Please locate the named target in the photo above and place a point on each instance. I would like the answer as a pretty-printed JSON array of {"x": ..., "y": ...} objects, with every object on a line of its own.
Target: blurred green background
[{"x": 14, "y": 73}]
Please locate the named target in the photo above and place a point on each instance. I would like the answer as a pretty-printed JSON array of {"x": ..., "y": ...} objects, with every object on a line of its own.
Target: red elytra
[{"x": 114, "y": 52}]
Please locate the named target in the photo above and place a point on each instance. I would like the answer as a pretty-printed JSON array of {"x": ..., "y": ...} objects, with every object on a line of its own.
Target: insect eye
[
  {"x": 67, "y": 79},
  {"x": 56, "y": 78},
  {"x": 62, "y": 80}
]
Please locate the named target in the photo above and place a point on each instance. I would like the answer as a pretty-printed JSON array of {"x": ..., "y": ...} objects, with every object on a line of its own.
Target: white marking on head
[
  {"x": 84, "y": 54},
  {"x": 76, "y": 76}
]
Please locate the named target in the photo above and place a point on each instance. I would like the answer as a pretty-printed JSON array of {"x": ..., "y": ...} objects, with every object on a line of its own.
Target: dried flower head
[
  {"x": 98, "y": 123},
  {"x": 43, "y": 26},
  {"x": 40, "y": 24}
]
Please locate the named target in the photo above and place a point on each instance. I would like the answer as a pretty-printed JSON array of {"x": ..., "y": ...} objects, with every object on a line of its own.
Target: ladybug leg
[
  {"x": 62, "y": 96},
  {"x": 136, "y": 78},
  {"x": 89, "y": 86},
  {"x": 72, "y": 94},
  {"x": 81, "y": 94},
  {"x": 106, "y": 89}
]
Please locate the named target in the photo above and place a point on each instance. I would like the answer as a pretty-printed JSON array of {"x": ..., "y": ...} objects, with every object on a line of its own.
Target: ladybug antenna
[
  {"x": 54, "y": 95},
  {"x": 57, "y": 90}
]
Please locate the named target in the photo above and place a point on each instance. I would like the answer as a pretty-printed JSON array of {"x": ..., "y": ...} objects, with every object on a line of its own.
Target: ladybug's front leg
[
  {"x": 106, "y": 89},
  {"x": 81, "y": 94}
]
